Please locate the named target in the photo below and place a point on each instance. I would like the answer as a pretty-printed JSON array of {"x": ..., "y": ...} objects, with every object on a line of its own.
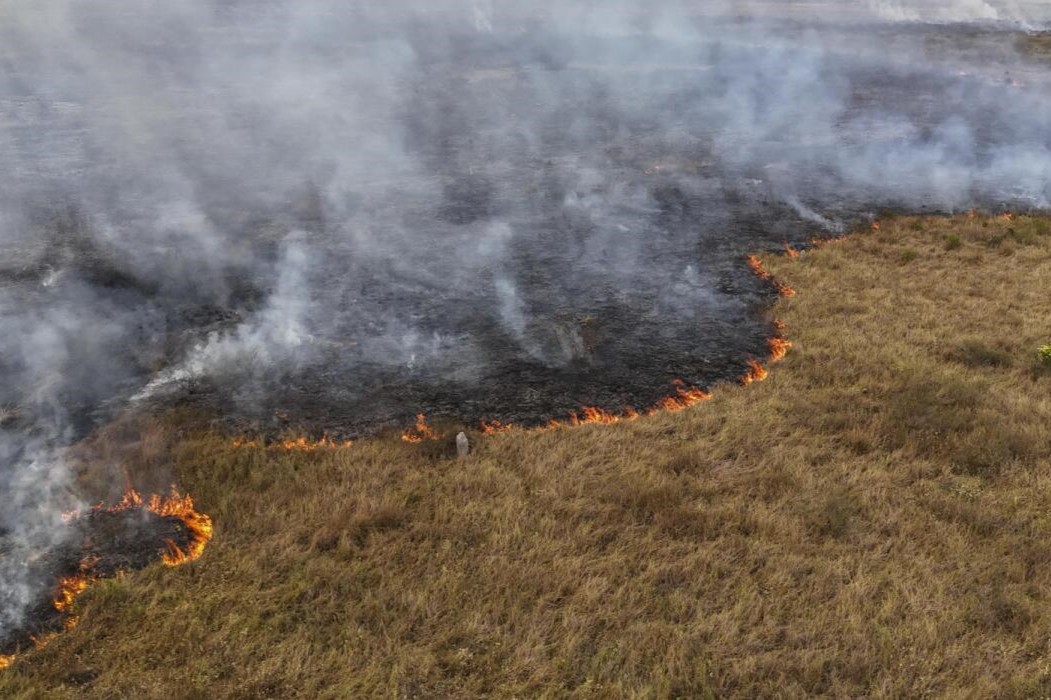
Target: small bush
[
  {"x": 1044, "y": 356},
  {"x": 909, "y": 255},
  {"x": 952, "y": 242},
  {"x": 1024, "y": 236}
]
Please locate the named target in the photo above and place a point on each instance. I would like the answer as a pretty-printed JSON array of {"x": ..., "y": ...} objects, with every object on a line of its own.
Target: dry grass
[
  {"x": 873, "y": 520},
  {"x": 1036, "y": 45}
]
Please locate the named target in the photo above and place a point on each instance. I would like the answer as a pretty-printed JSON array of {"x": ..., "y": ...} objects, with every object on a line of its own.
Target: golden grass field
[{"x": 872, "y": 520}]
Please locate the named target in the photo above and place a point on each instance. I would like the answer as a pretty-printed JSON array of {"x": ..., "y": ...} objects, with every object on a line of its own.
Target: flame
[
  {"x": 778, "y": 348},
  {"x": 875, "y": 226},
  {"x": 68, "y": 589},
  {"x": 420, "y": 432},
  {"x": 684, "y": 397},
  {"x": 174, "y": 505},
  {"x": 199, "y": 525},
  {"x": 302, "y": 444},
  {"x": 756, "y": 265},
  {"x": 791, "y": 252},
  {"x": 820, "y": 242},
  {"x": 756, "y": 372},
  {"x": 298, "y": 444},
  {"x": 1007, "y": 216},
  {"x": 494, "y": 426},
  {"x": 778, "y": 344}
]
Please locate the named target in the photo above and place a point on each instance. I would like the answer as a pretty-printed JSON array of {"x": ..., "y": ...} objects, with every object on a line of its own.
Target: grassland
[
  {"x": 1035, "y": 45},
  {"x": 872, "y": 520}
]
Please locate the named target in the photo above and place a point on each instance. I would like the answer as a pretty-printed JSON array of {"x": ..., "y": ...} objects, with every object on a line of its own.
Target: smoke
[{"x": 346, "y": 210}]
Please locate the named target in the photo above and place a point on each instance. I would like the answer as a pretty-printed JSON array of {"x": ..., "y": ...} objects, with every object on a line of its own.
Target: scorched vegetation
[{"x": 872, "y": 520}]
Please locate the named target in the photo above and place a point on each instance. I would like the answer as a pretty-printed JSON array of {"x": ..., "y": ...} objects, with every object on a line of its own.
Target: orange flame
[
  {"x": 420, "y": 432},
  {"x": 779, "y": 345},
  {"x": 299, "y": 444},
  {"x": 875, "y": 226},
  {"x": 1007, "y": 216},
  {"x": 684, "y": 397},
  {"x": 778, "y": 348},
  {"x": 494, "y": 426},
  {"x": 821, "y": 242},
  {"x": 756, "y": 264},
  {"x": 199, "y": 525},
  {"x": 68, "y": 589},
  {"x": 791, "y": 252},
  {"x": 756, "y": 372},
  {"x": 302, "y": 444},
  {"x": 175, "y": 505}
]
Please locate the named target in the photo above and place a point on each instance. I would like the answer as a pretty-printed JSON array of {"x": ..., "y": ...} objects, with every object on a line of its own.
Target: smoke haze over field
[{"x": 341, "y": 213}]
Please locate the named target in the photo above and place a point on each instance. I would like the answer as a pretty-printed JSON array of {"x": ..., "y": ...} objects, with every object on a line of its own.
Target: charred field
[
  {"x": 102, "y": 543},
  {"x": 538, "y": 254},
  {"x": 243, "y": 254},
  {"x": 870, "y": 520}
]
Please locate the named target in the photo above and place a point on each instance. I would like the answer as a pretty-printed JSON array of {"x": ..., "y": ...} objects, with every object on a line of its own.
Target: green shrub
[
  {"x": 1025, "y": 236},
  {"x": 908, "y": 256},
  {"x": 952, "y": 242},
  {"x": 1044, "y": 353}
]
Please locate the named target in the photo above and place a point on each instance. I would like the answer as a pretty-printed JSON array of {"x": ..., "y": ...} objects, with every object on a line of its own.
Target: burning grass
[
  {"x": 870, "y": 521},
  {"x": 105, "y": 542}
]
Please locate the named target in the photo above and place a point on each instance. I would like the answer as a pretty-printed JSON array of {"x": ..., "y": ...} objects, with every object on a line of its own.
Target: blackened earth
[
  {"x": 100, "y": 544},
  {"x": 621, "y": 216}
]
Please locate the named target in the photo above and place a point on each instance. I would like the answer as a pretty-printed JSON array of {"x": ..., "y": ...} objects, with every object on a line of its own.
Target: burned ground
[
  {"x": 99, "y": 544},
  {"x": 544, "y": 254}
]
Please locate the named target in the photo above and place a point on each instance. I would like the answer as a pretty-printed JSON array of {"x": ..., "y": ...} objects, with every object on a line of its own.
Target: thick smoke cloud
[{"x": 307, "y": 204}]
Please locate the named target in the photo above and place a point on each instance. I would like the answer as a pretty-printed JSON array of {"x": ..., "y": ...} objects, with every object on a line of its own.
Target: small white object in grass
[{"x": 463, "y": 446}]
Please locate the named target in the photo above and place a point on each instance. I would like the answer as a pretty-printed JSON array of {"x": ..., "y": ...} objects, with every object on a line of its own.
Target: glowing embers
[
  {"x": 420, "y": 431},
  {"x": 756, "y": 265}
]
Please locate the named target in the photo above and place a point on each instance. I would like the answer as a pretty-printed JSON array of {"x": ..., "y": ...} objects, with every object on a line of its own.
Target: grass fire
[
  {"x": 106, "y": 542},
  {"x": 525, "y": 349}
]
